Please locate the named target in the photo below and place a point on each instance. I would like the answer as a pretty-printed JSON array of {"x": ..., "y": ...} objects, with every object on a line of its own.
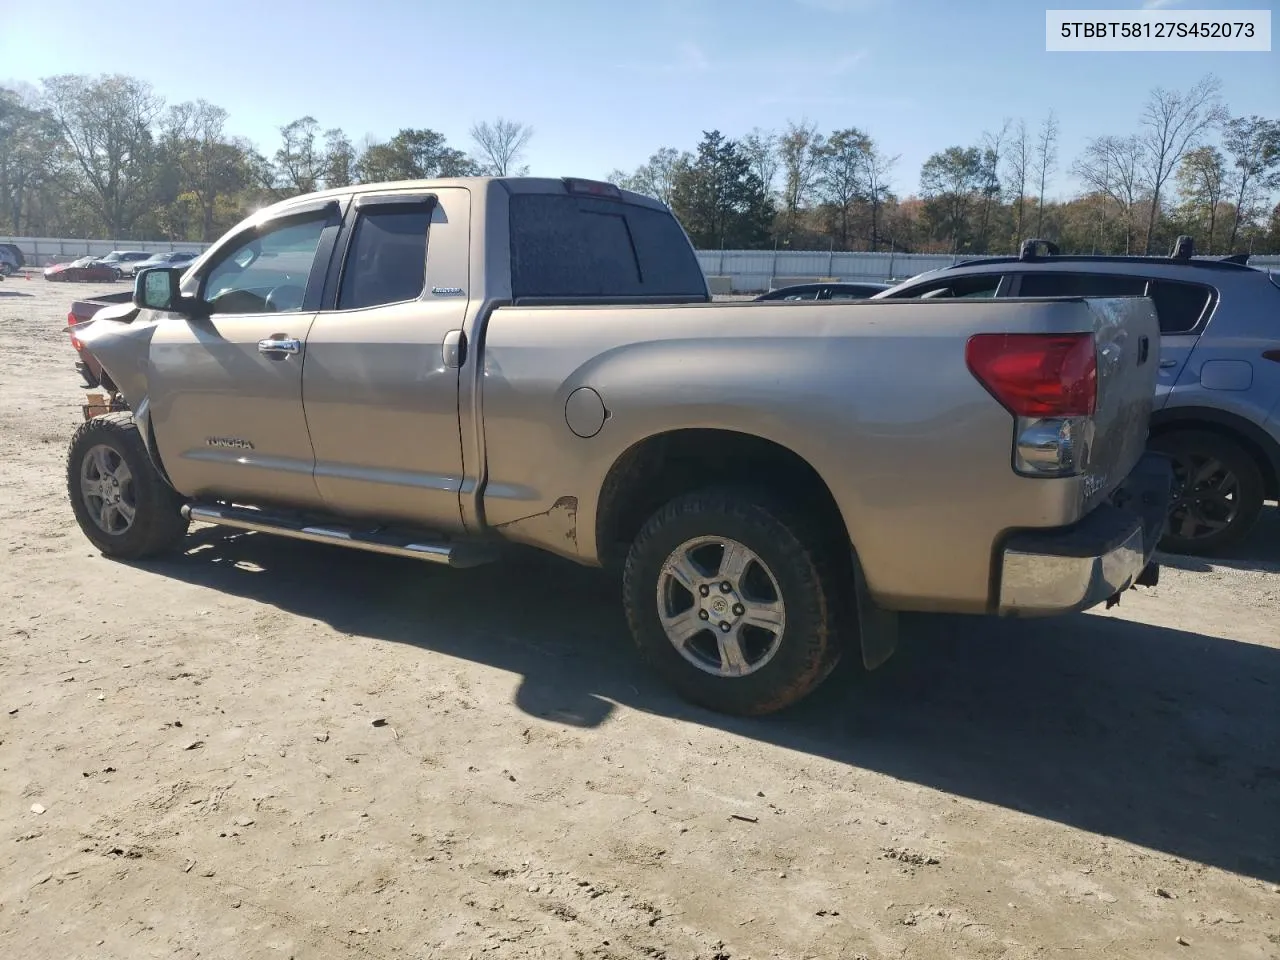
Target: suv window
[
  {"x": 268, "y": 272},
  {"x": 387, "y": 259},
  {"x": 978, "y": 285},
  {"x": 568, "y": 247},
  {"x": 1081, "y": 285},
  {"x": 1179, "y": 305}
]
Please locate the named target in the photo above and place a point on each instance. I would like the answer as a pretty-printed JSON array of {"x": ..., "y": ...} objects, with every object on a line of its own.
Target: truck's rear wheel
[
  {"x": 734, "y": 599},
  {"x": 121, "y": 502},
  {"x": 1219, "y": 492}
]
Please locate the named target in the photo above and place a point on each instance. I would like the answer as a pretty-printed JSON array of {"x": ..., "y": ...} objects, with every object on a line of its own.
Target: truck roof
[{"x": 510, "y": 184}]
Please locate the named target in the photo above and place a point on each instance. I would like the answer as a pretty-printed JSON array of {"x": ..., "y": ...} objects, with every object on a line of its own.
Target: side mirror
[{"x": 156, "y": 288}]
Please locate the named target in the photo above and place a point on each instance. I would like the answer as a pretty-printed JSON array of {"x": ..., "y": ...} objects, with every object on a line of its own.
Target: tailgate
[{"x": 1128, "y": 352}]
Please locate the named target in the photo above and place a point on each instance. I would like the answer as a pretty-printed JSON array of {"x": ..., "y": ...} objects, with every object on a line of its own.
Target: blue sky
[{"x": 606, "y": 83}]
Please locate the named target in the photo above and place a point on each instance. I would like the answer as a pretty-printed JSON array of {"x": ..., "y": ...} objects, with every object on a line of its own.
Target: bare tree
[
  {"x": 992, "y": 145},
  {"x": 842, "y": 179},
  {"x": 301, "y": 163},
  {"x": 1045, "y": 163},
  {"x": 1254, "y": 147},
  {"x": 657, "y": 177},
  {"x": 1201, "y": 180},
  {"x": 801, "y": 150},
  {"x": 212, "y": 164},
  {"x": 879, "y": 167},
  {"x": 1111, "y": 167},
  {"x": 501, "y": 145},
  {"x": 1172, "y": 124},
  {"x": 761, "y": 148},
  {"x": 1018, "y": 160},
  {"x": 340, "y": 158},
  {"x": 106, "y": 127}
]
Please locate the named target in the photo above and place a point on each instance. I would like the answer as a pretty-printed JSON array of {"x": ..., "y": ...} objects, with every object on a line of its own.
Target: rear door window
[
  {"x": 387, "y": 258},
  {"x": 1081, "y": 285},
  {"x": 1180, "y": 306}
]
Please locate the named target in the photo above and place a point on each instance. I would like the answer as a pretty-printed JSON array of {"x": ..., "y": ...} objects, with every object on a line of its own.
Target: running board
[{"x": 451, "y": 554}]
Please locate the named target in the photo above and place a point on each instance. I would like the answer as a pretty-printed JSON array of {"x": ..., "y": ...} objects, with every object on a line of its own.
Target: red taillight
[{"x": 1037, "y": 375}]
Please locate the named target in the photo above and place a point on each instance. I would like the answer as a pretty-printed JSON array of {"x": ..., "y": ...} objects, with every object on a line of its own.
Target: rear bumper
[{"x": 1068, "y": 569}]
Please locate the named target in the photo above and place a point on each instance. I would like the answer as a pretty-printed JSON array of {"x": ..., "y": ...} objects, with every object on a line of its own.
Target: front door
[
  {"x": 379, "y": 386},
  {"x": 226, "y": 387}
]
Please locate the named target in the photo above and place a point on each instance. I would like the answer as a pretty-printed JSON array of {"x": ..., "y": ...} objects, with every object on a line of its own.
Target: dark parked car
[
  {"x": 825, "y": 291},
  {"x": 86, "y": 269},
  {"x": 11, "y": 259},
  {"x": 174, "y": 258}
]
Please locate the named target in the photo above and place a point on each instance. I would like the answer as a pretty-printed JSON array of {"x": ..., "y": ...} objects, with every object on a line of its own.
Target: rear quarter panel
[{"x": 875, "y": 395}]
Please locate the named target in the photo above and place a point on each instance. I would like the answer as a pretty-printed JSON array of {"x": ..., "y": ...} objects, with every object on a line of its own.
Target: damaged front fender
[{"x": 119, "y": 340}]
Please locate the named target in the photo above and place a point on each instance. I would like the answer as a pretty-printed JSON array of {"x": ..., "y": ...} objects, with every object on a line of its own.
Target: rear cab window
[{"x": 566, "y": 247}]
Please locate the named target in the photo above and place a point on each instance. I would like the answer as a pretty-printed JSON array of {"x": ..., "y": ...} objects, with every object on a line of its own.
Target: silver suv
[{"x": 1217, "y": 406}]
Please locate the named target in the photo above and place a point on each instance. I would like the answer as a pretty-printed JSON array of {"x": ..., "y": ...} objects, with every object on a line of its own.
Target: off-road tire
[
  {"x": 1181, "y": 444},
  {"x": 814, "y": 588},
  {"x": 158, "y": 525}
]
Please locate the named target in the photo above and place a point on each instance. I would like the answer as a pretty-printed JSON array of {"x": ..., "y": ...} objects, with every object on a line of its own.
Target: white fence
[
  {"x": 730, "y": 271},
  {"x": 753, "y": 271},
  {"x": 42, "y": 251}
]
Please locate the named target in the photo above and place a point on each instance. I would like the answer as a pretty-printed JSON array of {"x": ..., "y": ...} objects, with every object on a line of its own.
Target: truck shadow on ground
[{"x": 1164, "y": 738}]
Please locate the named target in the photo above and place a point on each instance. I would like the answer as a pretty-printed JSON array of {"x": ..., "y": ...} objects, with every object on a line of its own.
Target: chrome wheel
[
  {"x": 107, "y": 488},
  {"x": 720, "y": 606}
]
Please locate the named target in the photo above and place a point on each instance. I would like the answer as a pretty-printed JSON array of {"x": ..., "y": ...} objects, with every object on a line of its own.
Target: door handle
[
  {"x": 283, "y": 345},
  {"x": 1166, "y": 364}
]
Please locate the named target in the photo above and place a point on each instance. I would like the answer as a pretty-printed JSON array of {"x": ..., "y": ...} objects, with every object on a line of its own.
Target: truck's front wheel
[
  {"x": 121, "y": 502},
  {"x": 735, "y": 600}
]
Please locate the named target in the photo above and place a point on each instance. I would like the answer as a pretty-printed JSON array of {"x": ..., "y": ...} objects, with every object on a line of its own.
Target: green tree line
[
  {"x": 1188, "y": 166},
  {"x": 106, "y": 157}
]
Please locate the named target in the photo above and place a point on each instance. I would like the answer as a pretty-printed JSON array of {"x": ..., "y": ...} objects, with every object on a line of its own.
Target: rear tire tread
[{"x": 803, "y": 555}]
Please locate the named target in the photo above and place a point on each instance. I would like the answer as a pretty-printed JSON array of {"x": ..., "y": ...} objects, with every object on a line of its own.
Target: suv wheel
[
  {"x": 122, "y": 504},
  {"x": 735, "y": 600},
  {"x": 1218, "y": 492}
]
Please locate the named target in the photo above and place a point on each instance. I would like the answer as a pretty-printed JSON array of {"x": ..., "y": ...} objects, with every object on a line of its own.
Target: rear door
[
  {"x": 1184, "y": 309},
  {"x": 381, "y": 396}
]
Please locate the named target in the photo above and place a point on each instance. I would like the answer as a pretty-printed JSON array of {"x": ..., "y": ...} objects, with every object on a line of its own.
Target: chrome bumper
[{"x": 1049, "y": 572}]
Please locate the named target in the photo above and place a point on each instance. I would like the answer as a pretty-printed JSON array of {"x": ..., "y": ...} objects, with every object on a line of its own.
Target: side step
[{"x": 459, "y": 554}]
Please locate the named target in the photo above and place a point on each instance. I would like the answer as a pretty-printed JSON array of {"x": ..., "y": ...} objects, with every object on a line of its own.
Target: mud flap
[{"x": 877, "y": 627}]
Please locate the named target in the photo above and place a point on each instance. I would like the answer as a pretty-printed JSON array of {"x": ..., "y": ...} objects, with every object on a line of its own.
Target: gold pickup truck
[{"x": 435, "y": 369}]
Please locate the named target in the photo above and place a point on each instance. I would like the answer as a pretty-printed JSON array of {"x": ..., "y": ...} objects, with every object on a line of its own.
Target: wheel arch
[
  {"x": 664, "y": 465},
  {"x": 1252, "y": 439}
]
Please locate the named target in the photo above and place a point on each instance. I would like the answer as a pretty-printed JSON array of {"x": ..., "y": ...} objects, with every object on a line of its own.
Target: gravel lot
[{"x": 191, "y": 765}]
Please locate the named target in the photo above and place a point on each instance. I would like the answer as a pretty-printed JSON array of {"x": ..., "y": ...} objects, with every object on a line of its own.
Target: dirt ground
[{"x": 194, "y": 763}]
